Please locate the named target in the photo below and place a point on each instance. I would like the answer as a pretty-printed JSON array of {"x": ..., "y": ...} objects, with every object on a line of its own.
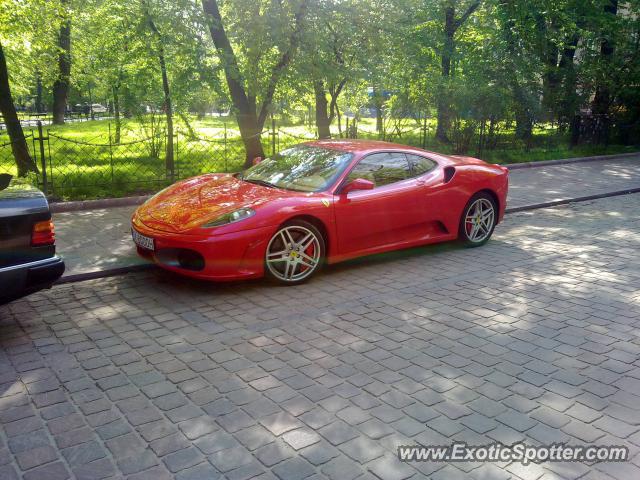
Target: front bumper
[
  {"x": 20, "y": 280},
  {"x": 225, "y": 257}
]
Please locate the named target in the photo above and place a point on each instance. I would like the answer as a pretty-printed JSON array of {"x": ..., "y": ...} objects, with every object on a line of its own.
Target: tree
[
  {"x": 602, "y": 98},
  {"x": 452, "y": 24},
  {"x": 244, "y": 89},
  {"x": 62, "y": 82},
  {"x": 158, "y": 44},
  {"x": 14, "y": 129}
]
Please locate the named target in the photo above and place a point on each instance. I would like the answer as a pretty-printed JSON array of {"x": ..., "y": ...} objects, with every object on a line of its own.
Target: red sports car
[{"x": 317, "y": 202}]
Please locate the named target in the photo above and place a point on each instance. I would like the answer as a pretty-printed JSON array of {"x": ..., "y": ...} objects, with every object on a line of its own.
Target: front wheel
[
  {"x": 478, "y": 220},
  {"x": 294, "y": 253}
]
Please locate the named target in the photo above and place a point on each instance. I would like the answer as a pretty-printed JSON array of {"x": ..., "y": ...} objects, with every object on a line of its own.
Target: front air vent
[{"x": 449, "y": 172}]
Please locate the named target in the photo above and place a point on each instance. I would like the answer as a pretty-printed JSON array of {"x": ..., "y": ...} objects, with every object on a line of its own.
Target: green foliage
[{"x": 515, "y": 64}]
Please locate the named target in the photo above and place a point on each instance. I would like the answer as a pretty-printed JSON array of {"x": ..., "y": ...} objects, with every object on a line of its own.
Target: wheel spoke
[
  {"x": 474, "y": 229},
  {"x": 306, "y": 241},
  {"x": 287, "y": 270},
  {"x": 307, "y": 261},
  {"x": 289, "y": 236}
]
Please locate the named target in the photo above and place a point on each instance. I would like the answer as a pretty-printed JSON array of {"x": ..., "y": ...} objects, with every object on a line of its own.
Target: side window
[
  {"x": 382, "y": 168},
  {"x": 420, "y": 165}
]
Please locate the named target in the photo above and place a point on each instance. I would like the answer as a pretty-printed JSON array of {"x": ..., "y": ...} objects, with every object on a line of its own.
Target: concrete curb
[
  {"x": 61, "y": 207},
  {"x": 567, "y": 201},
  {"x": 565, "y": 161},
  {"x": 111, "y": 272}
]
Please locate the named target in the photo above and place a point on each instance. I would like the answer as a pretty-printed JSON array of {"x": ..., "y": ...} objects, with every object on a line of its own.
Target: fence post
[
  {"x": 226, "y": 169},
  {"x": 424, "y": 132},
  {"x": 176, "y": 159},
  {"x": 43, "y": 160},
  {"x": 110, "y": 155},
  {"x": 273, "y": 136}
]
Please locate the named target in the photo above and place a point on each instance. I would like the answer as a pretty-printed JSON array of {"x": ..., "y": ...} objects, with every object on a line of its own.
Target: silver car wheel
[
  {"x": 479, "y": 220},
  {"x": 293, "y": 253}
]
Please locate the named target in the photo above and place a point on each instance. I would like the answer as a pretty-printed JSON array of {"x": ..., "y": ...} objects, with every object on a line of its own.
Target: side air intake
[{"x": 449, "y": 172}]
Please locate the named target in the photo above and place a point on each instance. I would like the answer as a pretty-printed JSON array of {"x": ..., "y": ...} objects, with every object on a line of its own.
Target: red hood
[{"x": 193, "y": 202}]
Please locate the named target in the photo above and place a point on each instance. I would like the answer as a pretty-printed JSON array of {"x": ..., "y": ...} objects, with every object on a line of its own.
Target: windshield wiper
[{"x": 264, "y": 183}]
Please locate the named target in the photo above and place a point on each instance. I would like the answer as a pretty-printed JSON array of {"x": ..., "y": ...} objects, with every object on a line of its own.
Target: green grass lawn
[{"x": 82, "y": 162}]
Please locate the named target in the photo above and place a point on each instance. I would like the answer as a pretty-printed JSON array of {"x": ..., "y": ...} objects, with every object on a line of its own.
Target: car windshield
[{"x": 303, "y": 168}]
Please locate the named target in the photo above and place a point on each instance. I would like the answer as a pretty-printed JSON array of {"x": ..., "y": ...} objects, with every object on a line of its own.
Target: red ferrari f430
[{"x": 319, "y": 202}]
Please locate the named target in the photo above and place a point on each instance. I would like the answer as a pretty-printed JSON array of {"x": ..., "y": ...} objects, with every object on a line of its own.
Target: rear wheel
[
  {"x": 478, "y": 220},
  {"x": 294, "y": 253}
]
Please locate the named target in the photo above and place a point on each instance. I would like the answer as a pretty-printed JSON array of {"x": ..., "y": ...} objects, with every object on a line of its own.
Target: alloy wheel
[
  {"x": 479, "y": 220},
  {"x": 293, "y": 253}
]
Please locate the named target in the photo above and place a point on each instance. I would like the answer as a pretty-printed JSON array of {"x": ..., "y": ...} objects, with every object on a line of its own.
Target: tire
[
  {"x": 478, "y": 220},
  {"x": 295, "y": 253}
]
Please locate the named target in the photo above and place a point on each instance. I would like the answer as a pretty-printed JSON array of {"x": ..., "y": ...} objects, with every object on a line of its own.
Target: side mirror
[
  {"x": 5, "y": 180},
  {"x": 257, "y": 160},
  {"x": 358, "y": 184}
]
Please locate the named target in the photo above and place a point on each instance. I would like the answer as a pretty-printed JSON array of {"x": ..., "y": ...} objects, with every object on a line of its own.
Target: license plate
[{"x": 142, "y": 240}]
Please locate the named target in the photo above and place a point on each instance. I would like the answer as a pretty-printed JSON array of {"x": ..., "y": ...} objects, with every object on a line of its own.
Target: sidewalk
[{"x": 94, "y": 240}]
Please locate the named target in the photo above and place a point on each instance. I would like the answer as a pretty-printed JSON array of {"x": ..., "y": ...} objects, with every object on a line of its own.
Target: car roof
[{"x": 363, "y": 146}]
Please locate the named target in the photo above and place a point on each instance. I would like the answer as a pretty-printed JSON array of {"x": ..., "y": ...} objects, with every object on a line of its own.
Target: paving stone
[
  {"x": 169, "y": 444},
  {"x": 215, "y": 442},
  {"x": 98, "y": 469},
  {"x": 300, "y": 438},
  {"x": 37, "y": 456},
  {"x": 294, "y": 469},
  {"x": 197, "y": 427},
  {"x": 338, "y": 432},
  {"x": 319, "y": 453},
  {"x": 280, "y": 423},
  {"x": 390, "y": 468},
  {"x": 182, "y": 459},
  {"x": 342, "y": 468},
  {"x": 203, "y": 471},
  {"x": 124, "y": 445},
  {"x": 230, "y": 459},
  {"x": 50, "y": 471},
  {"x": 138, "y": 462}
]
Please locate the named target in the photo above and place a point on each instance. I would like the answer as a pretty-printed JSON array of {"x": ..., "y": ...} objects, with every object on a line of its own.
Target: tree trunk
[
  {"x": 322, "y": 113},
  {"x": 250, "y": 122},
  {"x": 168, "y": 107},
  {"x": 602, "y": 99},
  {"x": 185, "y": 119},
  {"x": 451, "y": 26},
  {"x": 61, "y": 84},
  {"x": 247, "y": 119},
  {"x": 444, "y": 117},
  {"x": 116, "y": 113},
  {"x": 168, "y": 111},
  {"x": 569, "y": 102},
  {"x": 24, "y": 163}
]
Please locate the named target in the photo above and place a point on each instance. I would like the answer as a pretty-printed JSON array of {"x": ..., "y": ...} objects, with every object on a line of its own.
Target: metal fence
[{"x": 74, "y": 168}]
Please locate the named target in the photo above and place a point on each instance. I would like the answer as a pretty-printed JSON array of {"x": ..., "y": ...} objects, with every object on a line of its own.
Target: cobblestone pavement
[
  {"x": 100, "y": 239},
  {"x": 533, "y": 337}
]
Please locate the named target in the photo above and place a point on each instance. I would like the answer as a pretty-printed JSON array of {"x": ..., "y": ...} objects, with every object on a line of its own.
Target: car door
[
  {"x": 388, "y": 214},
  {"x": 434, "y": 195}
]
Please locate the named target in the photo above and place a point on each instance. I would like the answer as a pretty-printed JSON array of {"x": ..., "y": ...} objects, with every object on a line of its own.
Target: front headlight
[{"x": 232, "y": 217}]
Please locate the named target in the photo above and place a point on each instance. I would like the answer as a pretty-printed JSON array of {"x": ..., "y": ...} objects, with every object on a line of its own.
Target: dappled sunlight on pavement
[{"x": 534, "y": 337}]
